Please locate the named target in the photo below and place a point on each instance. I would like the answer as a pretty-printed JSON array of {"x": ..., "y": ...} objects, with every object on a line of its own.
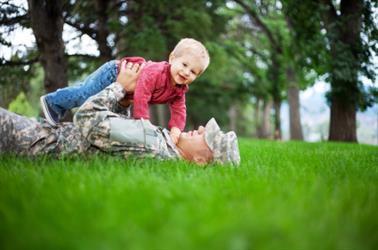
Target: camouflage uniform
[{"x": 26, "y": 136}]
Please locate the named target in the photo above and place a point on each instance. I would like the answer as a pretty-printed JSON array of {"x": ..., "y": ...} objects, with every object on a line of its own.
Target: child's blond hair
[{"x": 191, "y": 44}]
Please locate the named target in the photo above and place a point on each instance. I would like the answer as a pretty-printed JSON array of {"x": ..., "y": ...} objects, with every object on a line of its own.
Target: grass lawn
[{"x": 285, "y": 195}]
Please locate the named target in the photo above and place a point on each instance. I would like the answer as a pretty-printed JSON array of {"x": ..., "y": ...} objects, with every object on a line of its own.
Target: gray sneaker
[{"x": 51, "y": 116}]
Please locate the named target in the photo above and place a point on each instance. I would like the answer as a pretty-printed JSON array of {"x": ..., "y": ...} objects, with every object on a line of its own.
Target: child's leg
[{"x": 70, "y": 97}]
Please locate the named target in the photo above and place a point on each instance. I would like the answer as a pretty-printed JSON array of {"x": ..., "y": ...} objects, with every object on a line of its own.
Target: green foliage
[
  {"x": 22, "y": 106},
  {"x": 283, "y": 196},
  {"x": 154, "y": 27},
  {"x": 220, "y": 86},
  {"x": 22, "y": 88},
  {"x": 308, "y": 34},
  {"x": 331, "y": 47},
  {"x": 148, "y": 42},
  {"x": 13, "y": 80},
  {"x": 190, "y": 19},
  {"x": 79, "y": 68}
]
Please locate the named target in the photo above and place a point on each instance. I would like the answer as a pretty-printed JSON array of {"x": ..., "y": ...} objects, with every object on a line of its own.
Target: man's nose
[{"x": 201, "y": 129}]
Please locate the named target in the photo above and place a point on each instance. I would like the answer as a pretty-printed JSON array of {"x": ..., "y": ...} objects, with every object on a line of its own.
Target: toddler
[{"x": 158, "y": 82}]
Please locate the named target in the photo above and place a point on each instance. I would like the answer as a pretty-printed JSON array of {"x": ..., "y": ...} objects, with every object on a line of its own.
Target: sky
[{"x": 314, "y": 110}]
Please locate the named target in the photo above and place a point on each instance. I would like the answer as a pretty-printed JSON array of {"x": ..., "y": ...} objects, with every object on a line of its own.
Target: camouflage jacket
[{"x": 100, "y": 124}]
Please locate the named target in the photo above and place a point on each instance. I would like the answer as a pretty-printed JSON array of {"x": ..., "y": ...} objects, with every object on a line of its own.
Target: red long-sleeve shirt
[{"x": 154, "y": 86}]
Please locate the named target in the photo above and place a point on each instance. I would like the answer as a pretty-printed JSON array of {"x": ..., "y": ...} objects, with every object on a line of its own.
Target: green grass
[{"x": 284, "y": 196}]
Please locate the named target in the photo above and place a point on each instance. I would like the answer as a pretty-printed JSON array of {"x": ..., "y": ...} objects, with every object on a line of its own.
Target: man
[{"x": 100, "y": 125}]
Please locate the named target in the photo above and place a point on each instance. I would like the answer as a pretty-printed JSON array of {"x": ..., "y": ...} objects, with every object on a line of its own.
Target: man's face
[
  {"x": 193, "y": 147},
  {"x": 185, "y": 68}
]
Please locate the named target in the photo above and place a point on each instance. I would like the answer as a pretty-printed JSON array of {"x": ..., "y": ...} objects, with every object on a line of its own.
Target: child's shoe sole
[{"x": 49, "y": 114}]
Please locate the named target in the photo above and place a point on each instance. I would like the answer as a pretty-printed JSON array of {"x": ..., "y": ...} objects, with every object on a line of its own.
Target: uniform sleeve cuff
[{"x": 118, "y": 90}]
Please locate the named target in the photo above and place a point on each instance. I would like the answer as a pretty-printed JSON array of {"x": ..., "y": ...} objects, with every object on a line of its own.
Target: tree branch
[
  {"x": 33, "y": 60},
  {"x": 4, "y": 62},
  {"x": 256, "y": 19},
  {"x": 12, "y": 5},
  {"x": 14, "y": 20},
  {"x": 82, "y": 56},
  {"x": 82, "y": 28}
]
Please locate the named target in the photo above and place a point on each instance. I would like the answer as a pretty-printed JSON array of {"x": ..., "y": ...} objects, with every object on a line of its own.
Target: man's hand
[
  {"x": 128, "y": 75},
  {"x": 175, "y": 134}
]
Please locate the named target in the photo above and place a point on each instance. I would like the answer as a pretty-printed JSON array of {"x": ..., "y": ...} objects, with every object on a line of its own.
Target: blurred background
[{"x": 284, "y": 70}]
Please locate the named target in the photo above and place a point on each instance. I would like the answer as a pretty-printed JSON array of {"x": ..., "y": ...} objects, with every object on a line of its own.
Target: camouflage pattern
[
  {"x": 25, "y": 136},
  {"x": 223, "y": 145},
  {"x": 101, "y": 122}
]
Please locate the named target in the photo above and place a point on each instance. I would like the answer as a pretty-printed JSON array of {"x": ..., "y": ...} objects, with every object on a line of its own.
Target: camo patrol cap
[{"x": 223, "y": 145}]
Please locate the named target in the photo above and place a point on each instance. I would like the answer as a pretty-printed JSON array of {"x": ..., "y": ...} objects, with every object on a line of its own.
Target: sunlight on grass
[{"x": 284, "y": 195}]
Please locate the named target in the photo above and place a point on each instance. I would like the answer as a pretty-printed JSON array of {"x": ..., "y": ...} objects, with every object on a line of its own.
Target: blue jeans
[{"x": 74, "y": 96}]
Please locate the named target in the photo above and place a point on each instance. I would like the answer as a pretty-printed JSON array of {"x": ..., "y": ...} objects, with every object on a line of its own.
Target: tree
[
  {"x": 100, "y": 27},
  {"x": 293, "y": 70},
  {"x": 47, "y": 24},
  {"x": 15, "y": 70},
  {"x": 339, "y": 39},
  {"x": 275, "y": 61},
  {"x": 294, "y": 106},
  {"x": 272, "y": 41}
]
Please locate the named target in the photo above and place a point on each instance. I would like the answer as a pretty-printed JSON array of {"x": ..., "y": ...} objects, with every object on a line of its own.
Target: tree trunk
[
  {"x": 343, "y": 121},
  {"x": 277, "y": 120},
  {"x": 276, "y": 93},
  {"x": 102, "y": 34},
  {"x": 233, "y": 116},
  {"x": 343, "y": 31},
  {"x": 257, "y": 115},
  {"x": 47, "y": 24},
  {"x": 294, "y": 112},
  {"x": 264, "y": 130}
]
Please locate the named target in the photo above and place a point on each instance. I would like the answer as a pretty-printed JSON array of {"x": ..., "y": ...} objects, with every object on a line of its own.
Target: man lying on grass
[{"x": 101, "y": 125}]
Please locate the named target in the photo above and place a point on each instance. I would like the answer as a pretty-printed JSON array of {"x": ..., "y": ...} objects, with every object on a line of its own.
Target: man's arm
[
  {"x": 93, "y": 117},
  {"x": 109, "y": 131}
]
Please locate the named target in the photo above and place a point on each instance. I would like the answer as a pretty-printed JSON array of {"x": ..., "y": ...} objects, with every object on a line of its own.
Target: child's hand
[
  {"x": 175, "y": 134},
  {"x": 128, "y": 75}
]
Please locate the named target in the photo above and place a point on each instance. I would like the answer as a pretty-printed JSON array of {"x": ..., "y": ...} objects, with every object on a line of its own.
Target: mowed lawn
[{"x": 285, "y": 195}]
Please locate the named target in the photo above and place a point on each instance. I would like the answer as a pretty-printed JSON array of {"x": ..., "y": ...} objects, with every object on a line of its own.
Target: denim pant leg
[{"x": 74, "y": 96}]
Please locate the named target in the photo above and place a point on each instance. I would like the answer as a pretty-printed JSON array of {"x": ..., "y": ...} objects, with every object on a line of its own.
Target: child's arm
[{"x": 178, "y": 113}]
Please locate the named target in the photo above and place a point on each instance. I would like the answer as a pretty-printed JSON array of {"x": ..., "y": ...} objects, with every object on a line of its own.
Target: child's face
[{"x": 185, "y": 68}]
